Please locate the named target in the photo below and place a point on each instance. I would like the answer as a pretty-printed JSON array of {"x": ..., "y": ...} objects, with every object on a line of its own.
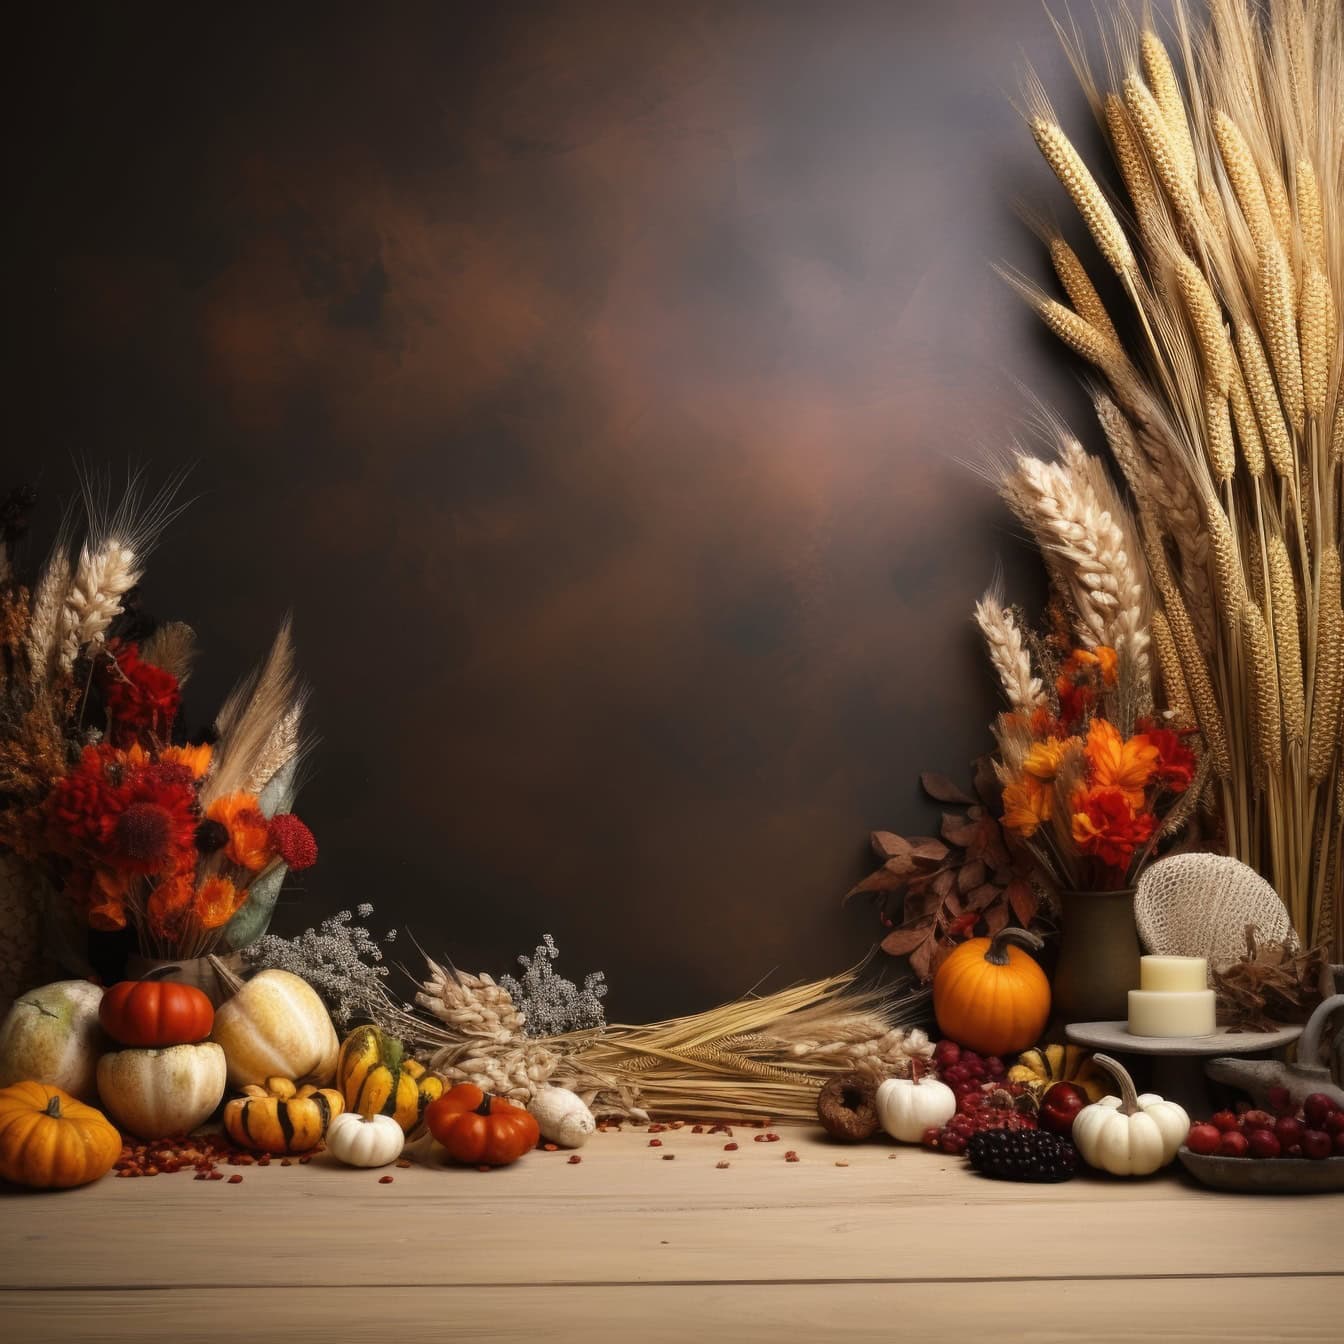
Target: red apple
[
  {"x": 1288, "y": 1130},
  {"x": 1262, "y": 1143},
  {"x": 1257, "y": 1120},
  {"x": 1293, "y": 1150},
  {"x": 1225, "y": 1120},
  {"x": 1339, "y": 1143},
  {"x": 1316, "y": 1143},
  {"x": 1232, "y": 1144},
  {"x": 1334, "y": 1123},
  {"x": 1059, "y": 1106},
  {"x": 1281, "y": 1101},
  {"x": 1203, "y": 1139},
  {"x": 1316, "y": 1108}
]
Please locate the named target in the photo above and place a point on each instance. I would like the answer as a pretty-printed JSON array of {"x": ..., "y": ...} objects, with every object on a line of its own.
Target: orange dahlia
[
  {"x": 1114, "y": 763},
  {"x": 217, "y": 901}
]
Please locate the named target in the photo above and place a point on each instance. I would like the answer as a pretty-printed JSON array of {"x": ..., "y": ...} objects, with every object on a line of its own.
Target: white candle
[
  {"x": 1175, "y": 974},
  {"x": 1163, "y": 1012}
]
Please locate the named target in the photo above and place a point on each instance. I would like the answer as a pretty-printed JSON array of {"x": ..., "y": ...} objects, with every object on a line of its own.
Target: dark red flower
[
  {"x": 1175, "y": 761},
  {"x": 142, "y": 700},
  {"x": 293, "y": 841},
  {"x": 155, "y": 826},
  {"x": 81, "y": 807}
]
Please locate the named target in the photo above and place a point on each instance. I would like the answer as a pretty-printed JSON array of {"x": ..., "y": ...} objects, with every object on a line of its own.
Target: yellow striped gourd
[
  {"x": 376, "y": 1078},
  {"x": 281, "y": 1118}
]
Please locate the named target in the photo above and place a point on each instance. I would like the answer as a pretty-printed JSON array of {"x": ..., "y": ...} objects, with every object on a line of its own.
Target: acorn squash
[{"x": 1041, "y": 1068}]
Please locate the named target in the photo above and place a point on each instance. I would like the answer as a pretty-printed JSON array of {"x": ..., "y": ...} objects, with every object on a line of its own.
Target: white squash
[
  {"x": 562, "y": 1117},
  {"x": 906, "y": 1107},
  {"x": 361, "y": 1141},
  {"x": 1129, "y": 1135},
  {"x": 51, "y": 1035},
  {"x": 156, "y": 1093},
  {"x": 275, "y": 1026}
]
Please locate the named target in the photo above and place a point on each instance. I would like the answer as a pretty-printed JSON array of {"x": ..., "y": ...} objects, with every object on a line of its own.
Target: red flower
[
  {"x": 142, "y": 700},
  {"x": 293, "y": 841},
  {"x": 1106, "y": 825},
  {"x": 81, "y": 807},
  {"x": 1175, "y": 761},
  {"x": 155, "y": 825}
]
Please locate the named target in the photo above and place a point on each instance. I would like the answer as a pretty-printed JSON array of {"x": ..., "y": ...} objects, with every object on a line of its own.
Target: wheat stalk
[
  {"x": 1087, "y": 303},
  {"x": 102, "y": 576},
  {"x": 1161, "y": 78},
  {"x": 1008, "y": 653}
]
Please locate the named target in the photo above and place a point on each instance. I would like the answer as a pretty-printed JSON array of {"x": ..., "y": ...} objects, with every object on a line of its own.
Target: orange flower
[
  {"x": 217, "y": 902},
  {"x": 1081, "y": 676},
  {"x": 1105, "y": 825},
  {"x": 1026, "y": 806},
  {"x": 169, "y": 905},
  {"x": 1108, "y": 664},
  {"x": 1117, "y": 764},
  {"x": 1043, "y": 760},
  {"x": 196, "y": 759},
  {"x": 107, "y": 900},
  {"x": 249, "y": 838}
]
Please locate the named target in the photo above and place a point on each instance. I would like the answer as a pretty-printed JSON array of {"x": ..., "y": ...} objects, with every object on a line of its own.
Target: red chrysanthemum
[
  {"x": 293, "y": 841},
  {"x": 142, "y": 700},
  {"x": 1105, "y": 824},
  {"x": 82, "y": 805}
]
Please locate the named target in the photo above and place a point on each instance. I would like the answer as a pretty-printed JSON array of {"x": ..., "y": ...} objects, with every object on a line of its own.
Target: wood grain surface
[{"x": 627, "y": 1241}]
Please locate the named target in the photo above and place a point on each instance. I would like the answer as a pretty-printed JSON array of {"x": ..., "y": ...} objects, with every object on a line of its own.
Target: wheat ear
[
  {"x": 1082, "y": 293},
  {"x": 44, "y": 625},
  {"x": 1163, "y": 156},
  {"x": 102, "y": 577},
  {"x": 1175, "y": 691},
  {"x": 1265, "y": 399},
  {"x": 1310, "y": 214},
  {"x": 1278, "y": 319},
  {"x": 1161, "y": 78},
  {"x": 1287, "y": 638},
  {"x": 1328, "y": 682},
  {"x": 1008, "y": 653},
  {"x": 1265, "y": 683},
  {"x": 1206, "y": 317},
  {"x": 1315, "y": 323}
]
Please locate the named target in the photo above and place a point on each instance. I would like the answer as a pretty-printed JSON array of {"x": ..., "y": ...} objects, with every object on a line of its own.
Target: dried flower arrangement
[
  {"x": 1272, "y": 984},
  {"x": 133, "y": 825},
  {"x": 1221, "y": 404}
]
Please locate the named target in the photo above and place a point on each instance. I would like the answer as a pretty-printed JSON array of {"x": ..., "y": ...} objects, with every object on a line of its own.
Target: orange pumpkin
[
  {"x": 50, "y": 1140},
  {"x": 479, "y": 1129},
  {"x": 992, "y": 997}
]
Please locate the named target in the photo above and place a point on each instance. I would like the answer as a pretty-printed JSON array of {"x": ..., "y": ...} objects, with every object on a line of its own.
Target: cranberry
[
  {"x": 1257, "y": 1120},
  {"x": 1224, "y": 1121},
  {"x": 1334, "y": 1123},
  {"x": 1203, "y": 1138},
  {"x": 1263, "y": 1143},
  {"x": 1281, "y": 1101},
  {"x": 1316, "y": 1108},
  {"x": 1232, "y": 1144},
  {"x": 1288, "y": 1129},
  {"x": 946, "y": 1054},
  {"x": 1316, "y": 1144}
]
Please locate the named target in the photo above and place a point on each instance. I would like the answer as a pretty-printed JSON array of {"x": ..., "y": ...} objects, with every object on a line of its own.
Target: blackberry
[{"x": 1022, "y": 1155}]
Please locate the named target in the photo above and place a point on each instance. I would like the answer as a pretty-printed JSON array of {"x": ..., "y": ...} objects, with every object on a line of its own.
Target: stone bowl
[{"x": 1271, "y": 1176}]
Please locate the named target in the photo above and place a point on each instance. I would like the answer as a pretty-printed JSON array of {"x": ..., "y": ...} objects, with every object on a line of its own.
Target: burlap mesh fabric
[{"x": 1198, "y": 905}]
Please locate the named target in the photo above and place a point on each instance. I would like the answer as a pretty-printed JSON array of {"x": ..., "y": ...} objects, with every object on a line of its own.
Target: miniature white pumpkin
[
  {"x": 275, "y": 1026},
  {"x": 155, "y": 1093},
  {"x": 51, "y": 1035},
  {"x": 906, "y": 1107},
  {"x": 364, "y": 1141},
  {"x": 562, "y": 1117},
  {"x": 1129, "y": 1135}
]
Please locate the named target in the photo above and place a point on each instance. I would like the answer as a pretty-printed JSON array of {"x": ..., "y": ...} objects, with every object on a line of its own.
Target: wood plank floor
[{"x": 626, "y": 1244}]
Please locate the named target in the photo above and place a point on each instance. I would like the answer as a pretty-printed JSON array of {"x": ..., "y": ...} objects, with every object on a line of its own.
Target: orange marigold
[
  {"x": 1026, "y": 805},
  {"x": 217, "y": 901},
  {"x": 1043, "y": 760},
  {"x": 1105, "y": 825},
  {"x": 249, "y": 837},
  {"x": 1118, "y": 764},
  {"x": 195, "y": 758},
  {"x": 169, "y": 906}
]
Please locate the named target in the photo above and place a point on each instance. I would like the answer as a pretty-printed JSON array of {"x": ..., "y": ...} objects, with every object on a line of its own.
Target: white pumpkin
[
  {"x": 1129, "y": 1135},
  {"x": 562, "y": 1117},
  {"x": 51, "y": 1035},
  {"x": 275, "y": 1026},
  {"x": 906, "y": 1107},
  {"x": 156, "y": 1093},
  {"x": 364, "y": 1141}
]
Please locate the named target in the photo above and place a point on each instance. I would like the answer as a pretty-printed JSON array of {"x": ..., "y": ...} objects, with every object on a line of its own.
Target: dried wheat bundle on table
[{"x": 1219, "y": 394}]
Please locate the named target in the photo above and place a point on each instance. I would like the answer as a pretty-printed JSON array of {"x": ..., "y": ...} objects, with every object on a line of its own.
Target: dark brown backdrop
[{"x": 594, "y": 381}]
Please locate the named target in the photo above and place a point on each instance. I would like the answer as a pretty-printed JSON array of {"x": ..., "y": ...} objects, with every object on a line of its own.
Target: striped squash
[
  {"x": 280, "y": 1118},
  {"x": 376, "y": 1078}
]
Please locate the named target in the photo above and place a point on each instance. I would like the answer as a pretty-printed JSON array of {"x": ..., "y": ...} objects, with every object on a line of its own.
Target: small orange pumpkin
[
  {"x": 51, "y": 1141},
  {"x": 992, "y": 997},
  {"x": 479, "y": 1129}
]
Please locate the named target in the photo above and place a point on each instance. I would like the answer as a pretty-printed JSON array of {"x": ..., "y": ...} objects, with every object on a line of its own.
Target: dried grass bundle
[{"x": 1223, "y": 409}]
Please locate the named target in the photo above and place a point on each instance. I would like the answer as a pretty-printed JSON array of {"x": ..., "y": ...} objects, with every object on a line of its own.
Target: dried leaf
[
  {"x": 958, "y": 830},
  {"x": 1022, "y": 900},
  {"x": 928, "y": 850},
  {"x": 901, "y": 942},
  {"x": 883, "y": 880},
  {"x": 970, "y": 875},
  {"x": 888, "y": 845},
  {"x": 996, "y": 918},
  {"x": 987, "y": 786},
  {"x": 943, "y": 790},
  {"x": 983, "y": 896},
  {"x": 922, "y": 959},
  {"x": 945, "y": 882}
]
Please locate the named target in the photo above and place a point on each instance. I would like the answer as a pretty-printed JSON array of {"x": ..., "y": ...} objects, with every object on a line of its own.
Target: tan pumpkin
[
  {"x": 282, "y": 1118},
  {"x": 275, "y": 1026},
  {"x": 52, "y": 1141},
  {"x": 156, "y": 1093},
  {"x": 376, "y": 1078}
]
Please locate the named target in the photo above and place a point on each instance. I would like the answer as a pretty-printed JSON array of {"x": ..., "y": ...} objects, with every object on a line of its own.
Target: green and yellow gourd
[{"x": 375, "y": 1077}]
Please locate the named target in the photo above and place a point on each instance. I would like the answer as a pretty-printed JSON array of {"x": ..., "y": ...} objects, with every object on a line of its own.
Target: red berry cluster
[
  {"x": 1315, "y": 1130},
  {"x": 963, "y": 1070}
]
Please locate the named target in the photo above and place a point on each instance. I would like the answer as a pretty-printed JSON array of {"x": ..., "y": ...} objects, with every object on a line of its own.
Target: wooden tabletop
[{"x": 642, "y": 1243}]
